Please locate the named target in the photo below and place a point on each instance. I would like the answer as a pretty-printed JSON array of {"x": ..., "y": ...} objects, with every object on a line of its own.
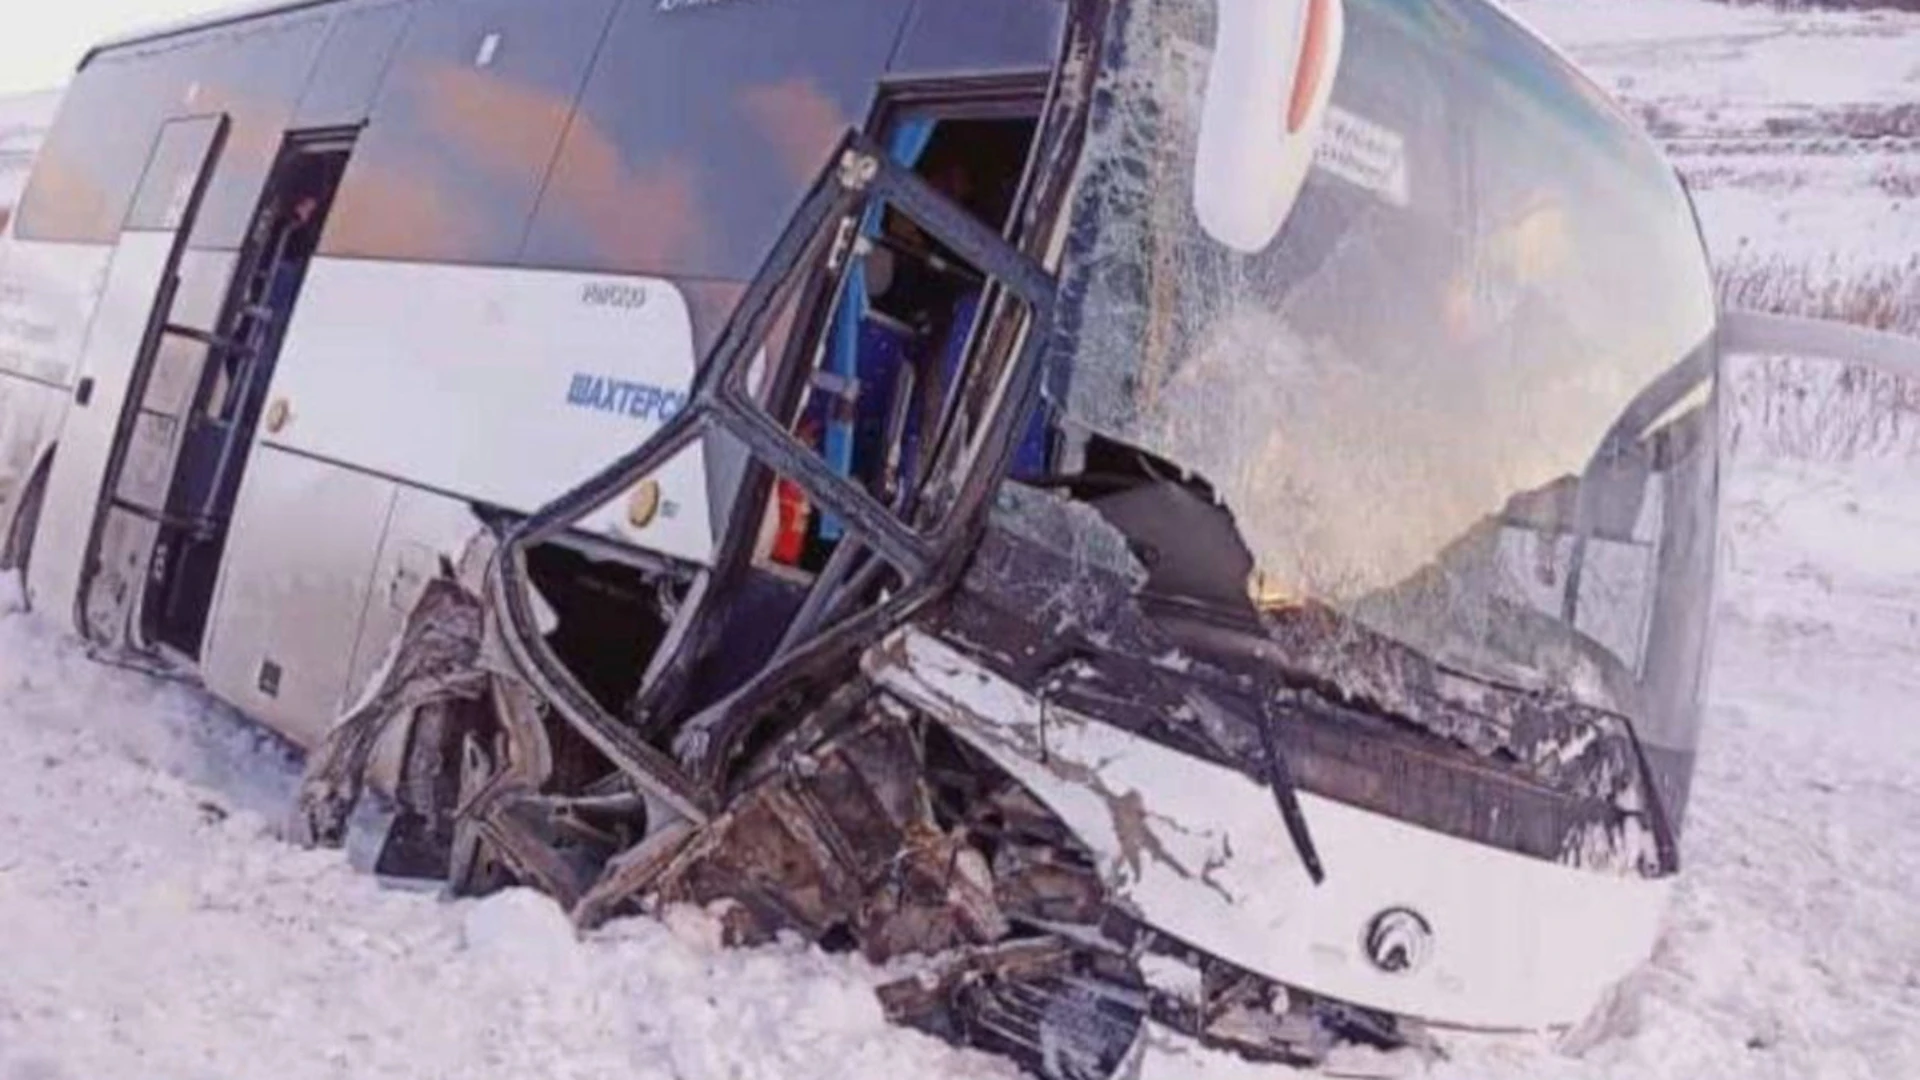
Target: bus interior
[{"x": 889, "y": 334}]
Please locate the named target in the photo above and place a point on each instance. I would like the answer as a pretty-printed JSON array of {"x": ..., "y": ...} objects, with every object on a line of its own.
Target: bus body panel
[
  {"x": 493, "y": 383},
  {"x": 1523, "y": 942},
  {"x": 30, "y": 415},
  {"x": 48, "y": 293},
  {"x": 295, "y": 583},
  {"x": 349, "y": 552},
  {"x": 87, "y": 434},
  {"x": 495, "y": 137},
  {"x": 425, "y": 532}
]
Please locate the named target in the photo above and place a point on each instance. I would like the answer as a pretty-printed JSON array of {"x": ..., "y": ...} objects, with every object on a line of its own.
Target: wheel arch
[{"x": 22, "y": 512}]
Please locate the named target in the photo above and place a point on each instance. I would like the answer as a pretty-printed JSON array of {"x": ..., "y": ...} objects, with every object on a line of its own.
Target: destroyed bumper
[{"x": 1408, "y": 920}]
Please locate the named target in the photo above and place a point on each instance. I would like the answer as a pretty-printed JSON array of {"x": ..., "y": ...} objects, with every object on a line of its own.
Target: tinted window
[
  {"x": 180, "y": 155},
  {"x": 254, "y": 73},
  {"x": 702, "y": 126},
  {"x": 465, "y": 129},
  {"x": 99, "y": 147},
  {"x": 86, "y": 172},
  {"x": 980, "y": 35},
  {"x": 360, "y": 45}
]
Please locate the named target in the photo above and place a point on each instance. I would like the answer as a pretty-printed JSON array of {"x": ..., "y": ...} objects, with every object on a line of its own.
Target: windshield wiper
[
  {"x": 1280, "y": 779},
  {"x": 1279, "y": 776}
]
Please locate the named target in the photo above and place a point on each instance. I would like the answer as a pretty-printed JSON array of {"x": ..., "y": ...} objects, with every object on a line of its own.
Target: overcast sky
[{"x": 42, "y": 40}]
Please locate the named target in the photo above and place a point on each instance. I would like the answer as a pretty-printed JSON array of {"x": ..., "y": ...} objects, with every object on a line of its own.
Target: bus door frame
[{"x": 91, "y": 454}]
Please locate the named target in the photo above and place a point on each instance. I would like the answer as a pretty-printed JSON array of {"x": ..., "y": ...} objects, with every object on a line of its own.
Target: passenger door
[
  {"x": 813, "y": 559},
  {"x": 67, "y": 575}
]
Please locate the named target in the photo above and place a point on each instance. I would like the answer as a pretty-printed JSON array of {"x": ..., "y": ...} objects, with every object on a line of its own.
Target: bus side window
[
  {"x": 699, "y": 131},
  {"x": 462, "y": 136},
  {"x": 87, "y": 169},
  {"x": 911, "y": 309}
]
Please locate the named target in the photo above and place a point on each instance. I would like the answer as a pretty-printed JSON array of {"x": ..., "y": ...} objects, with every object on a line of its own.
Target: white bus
[
  {"x": 24, "y": 119},
  {"x": 242, "y": 433},
  {"x": 1200, "y": 512}
]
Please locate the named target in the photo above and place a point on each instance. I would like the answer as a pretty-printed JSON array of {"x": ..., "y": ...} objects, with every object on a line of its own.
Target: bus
[
  {"x": 23, "y": 123},
  {"x": 1198, "y": 514}
]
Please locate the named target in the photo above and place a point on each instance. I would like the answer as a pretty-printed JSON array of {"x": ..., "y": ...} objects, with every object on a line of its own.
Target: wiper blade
[
  {"x": 1280, "y": 780},
  {"x": 1279, "y": 777}
]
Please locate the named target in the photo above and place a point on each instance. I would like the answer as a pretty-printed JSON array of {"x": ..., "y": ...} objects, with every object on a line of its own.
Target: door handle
[{"x": 83, "y": 391}]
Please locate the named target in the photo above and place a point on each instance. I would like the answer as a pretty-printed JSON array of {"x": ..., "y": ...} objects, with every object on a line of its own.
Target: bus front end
[{"x": 1279, "y": 624}]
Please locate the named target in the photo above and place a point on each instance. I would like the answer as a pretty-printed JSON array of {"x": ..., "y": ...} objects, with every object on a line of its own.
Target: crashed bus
[
  {"x": 23, "y": 120},
  {"x": 1195, "y": 516}
]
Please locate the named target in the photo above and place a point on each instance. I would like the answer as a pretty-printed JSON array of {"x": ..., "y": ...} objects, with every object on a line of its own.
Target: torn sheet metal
[
  {"x": 435, "y": 658},
  {"x": 1302, "y": 695},
  {"x": 1525, "y": 771}
]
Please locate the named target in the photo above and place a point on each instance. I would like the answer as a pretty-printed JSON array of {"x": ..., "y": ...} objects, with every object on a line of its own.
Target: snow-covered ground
[
  {"x": 152, "y": 926},
  {"x": 1799, "y": 131}
]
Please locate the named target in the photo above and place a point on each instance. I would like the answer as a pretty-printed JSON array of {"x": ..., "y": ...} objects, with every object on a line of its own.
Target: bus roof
[{"x": 226, "y": 16}]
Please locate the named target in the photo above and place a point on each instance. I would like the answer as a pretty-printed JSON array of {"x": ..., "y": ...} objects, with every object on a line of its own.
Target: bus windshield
[{"x": 1461, "y": 407}]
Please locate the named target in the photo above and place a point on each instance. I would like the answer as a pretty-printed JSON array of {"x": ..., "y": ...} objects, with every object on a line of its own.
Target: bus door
[
  {"x": 131, "y": 322},
  {"x": 204, "y": 466}
]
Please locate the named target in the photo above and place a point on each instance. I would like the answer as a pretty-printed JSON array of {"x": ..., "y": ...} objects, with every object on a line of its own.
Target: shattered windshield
[{"x": 1435, "y": 404}]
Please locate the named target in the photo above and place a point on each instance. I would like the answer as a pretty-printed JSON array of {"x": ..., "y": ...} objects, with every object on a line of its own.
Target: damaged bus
[{"x": 1195, "y": 516}]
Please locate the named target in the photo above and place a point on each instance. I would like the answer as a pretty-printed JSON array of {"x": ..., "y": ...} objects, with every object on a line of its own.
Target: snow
[
  {"x": 1750, "y": 101},
  {"x": 1729, "y": 61},
  {"x": 153, "y": 924}
]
